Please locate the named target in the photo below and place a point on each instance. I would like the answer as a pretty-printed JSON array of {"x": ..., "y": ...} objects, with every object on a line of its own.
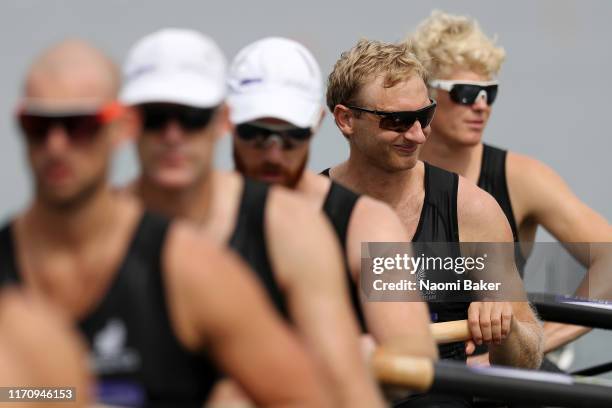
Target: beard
[{"x": 289, "y": 178}]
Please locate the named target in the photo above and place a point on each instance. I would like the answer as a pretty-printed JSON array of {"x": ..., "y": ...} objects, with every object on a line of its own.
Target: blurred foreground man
[
  {"x": 149, "y": 296},
  {"x": 176, "y": 82}
]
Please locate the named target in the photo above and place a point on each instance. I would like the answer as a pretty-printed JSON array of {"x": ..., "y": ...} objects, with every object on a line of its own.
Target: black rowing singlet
[
  {"x": 249, "y": 238},
  {"x": 438, "y": 223},
  {"x": 493, "y": 180},
  {"x": 338, "y": 207},
  {"x": 134, "y": 352}
]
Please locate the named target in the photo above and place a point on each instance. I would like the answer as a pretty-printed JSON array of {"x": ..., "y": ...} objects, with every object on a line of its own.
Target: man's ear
[
  {"x": 128, "y": 126},
  {"x": 343, "y": 117}
]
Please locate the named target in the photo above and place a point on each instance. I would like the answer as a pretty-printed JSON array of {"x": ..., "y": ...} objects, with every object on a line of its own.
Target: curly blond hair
[
  {"x": 366, "y": 61},
  {"x": 445, "y": 42}
]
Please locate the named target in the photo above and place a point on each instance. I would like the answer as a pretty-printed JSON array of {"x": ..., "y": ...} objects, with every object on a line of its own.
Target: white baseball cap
[
  {"x": 176, "y": 66},
  {"x": 278, "y": 78}
]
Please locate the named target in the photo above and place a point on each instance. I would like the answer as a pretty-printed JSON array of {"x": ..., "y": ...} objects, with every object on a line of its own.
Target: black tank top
[
  {"x": 136, "y": 356},
  {"x": 493, "y": 180},
  {"x": 439, "y": 223},
  {"x": 338, "y": 207},
  {"x": 249, "y": 240}
]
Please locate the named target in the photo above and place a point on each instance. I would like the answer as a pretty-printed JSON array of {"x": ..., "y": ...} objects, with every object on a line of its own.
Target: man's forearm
[
  {"x": 522, "y": 348},
  {"x": 559, "y": 334},
  {"x": 596, "y": 283}
]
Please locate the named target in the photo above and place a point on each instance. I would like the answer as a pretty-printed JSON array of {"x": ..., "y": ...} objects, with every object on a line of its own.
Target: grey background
[{"x": 553, "y": 103}]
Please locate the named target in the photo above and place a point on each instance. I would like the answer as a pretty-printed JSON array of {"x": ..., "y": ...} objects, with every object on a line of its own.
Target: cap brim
[
  {"x": 185, "y": 89},
  {"x": 276, "y": 104}
]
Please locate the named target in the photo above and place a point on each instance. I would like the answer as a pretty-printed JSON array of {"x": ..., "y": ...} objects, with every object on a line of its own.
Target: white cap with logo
[
  {"x": 277, "y": 78},
  {"x": 176, "y": 66}
]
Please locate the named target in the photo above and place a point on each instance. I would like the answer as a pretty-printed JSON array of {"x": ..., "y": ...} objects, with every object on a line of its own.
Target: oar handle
[
  {"x": 416, "y": 373},
  {"x": 450, "y": 332}
]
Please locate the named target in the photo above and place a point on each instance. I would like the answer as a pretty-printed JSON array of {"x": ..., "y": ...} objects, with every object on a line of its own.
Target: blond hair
[
  {"x": 366, "y": 61},
  {"x": 445, "y": 42}
]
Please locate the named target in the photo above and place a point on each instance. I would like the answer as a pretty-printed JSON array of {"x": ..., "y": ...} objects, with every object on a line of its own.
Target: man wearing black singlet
[
  {"x": 287, "y": 243},
  {"x": 148, "y": 295},
  {"x": 379, "y": 99},
  {"x": 463, "y": 63},
  {"x": 276, "y": 107}
]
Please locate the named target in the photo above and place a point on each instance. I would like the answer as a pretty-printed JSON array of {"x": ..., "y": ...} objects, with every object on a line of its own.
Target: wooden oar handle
[
  {"x": 415, "y": 373},
  {"x": 450, "y": 332}
]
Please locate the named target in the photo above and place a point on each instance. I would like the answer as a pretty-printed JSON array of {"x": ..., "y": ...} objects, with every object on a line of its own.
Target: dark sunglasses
[
  {"x": 156, "y": 116},
  {"x": 259, "y": 134},
  {"x": 466, "y": 92},
  {"x": 80, "y": 127},
  {"x": 402, "y": 121}
]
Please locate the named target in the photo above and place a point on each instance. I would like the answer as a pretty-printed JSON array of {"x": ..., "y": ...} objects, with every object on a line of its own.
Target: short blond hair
[
  {"x": 364, "y": 62},
  {"x": 445, "y": 42}
]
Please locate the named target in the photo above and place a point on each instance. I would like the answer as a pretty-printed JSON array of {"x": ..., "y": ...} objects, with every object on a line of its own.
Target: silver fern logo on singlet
[
  {"x": 427, "y": 294},
  {"x": 110, "y": 353}
]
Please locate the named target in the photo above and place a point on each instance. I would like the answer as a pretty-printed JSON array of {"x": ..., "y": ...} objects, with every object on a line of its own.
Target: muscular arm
[
  {"x": 482, "y": 220},
  {"x": 545, "y": 199},
  {"x": 216, "y": 305},
  {"x": 400, "y": 326},
  {"x": 306, "y": 260},
  {"x": 57, "y": 361}
]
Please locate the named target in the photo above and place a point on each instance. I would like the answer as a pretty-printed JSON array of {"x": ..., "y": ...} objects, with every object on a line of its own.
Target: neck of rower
[
  {"x": 458, "y": 158},
  {"x": 192, "y": 203},
  {"x": 74, "y": 226},
  {"x": 390, "y": 186}
]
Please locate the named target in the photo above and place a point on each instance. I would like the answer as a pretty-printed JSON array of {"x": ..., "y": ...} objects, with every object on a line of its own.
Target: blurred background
[{"x": 553, "y": 102}]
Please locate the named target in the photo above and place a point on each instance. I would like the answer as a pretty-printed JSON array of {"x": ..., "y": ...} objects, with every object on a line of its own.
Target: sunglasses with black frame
[
  {"x": 401, "y": 121},
  {"x": 82, "y": 126},
  {"x": 258, "y": 134},
  {"x": 156, "y": 116}
]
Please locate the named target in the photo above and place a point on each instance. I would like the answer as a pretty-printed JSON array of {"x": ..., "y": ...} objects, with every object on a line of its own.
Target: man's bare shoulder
[
  {"x": 299, "y": 235},
  {"x": 535, "y": 188},
  {"x": 527, "y": 171},
  {"x": 185, "y": 241},
  {"x": 480, "y": 216},
  {"x": 59, "y": 360},
  {"x": 377, "y": 221},
  {"x": 288, "y": 206}
]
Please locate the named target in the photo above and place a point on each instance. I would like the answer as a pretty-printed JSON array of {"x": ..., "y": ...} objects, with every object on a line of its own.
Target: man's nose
[
  {"x": 416, "y": 133},
  {"x": 273, "y": 149},
  {"x": 173, "y": 131},
  {"x": 57, "y": 138},
  {"x": 481, "y": 101}
]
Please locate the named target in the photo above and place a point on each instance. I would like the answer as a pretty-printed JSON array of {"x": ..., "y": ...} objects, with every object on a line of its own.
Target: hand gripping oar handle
[{"x": 450, "y": 332}]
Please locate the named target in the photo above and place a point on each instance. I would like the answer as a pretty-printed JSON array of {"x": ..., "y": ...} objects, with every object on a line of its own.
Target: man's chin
[
  {"x": 63, "y": 199},
  {"x": 470, "y": 138},
  {"x": 173, "y": 181},
  {"x": 273, "y": 179}
]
